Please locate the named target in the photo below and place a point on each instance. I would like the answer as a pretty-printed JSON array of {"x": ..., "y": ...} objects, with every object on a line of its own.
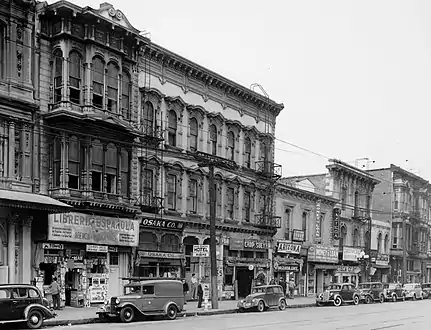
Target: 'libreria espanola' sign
[{"x": 93, "y": 229}]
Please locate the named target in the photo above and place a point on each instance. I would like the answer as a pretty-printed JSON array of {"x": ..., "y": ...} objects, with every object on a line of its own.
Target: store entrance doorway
[{"x": 244, "y": 278}]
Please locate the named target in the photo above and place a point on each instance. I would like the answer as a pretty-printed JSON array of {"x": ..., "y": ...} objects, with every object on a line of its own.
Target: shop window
[
  {"x": 172, "y": 192},
  {"x": 193, "y": 196},
  {"x": 111, "y": 169},
  {"x": 112, "y": 84},
  {"x": 260, "y": 255},
  {"x": 170, "y": 243},
  {"x": 125, "y": 97},
  {"x": 213, "y": 139},
  {"x": 98, "y": 82},
  {"x": 247, "y": 153},
  {"x": 193, "y": 134},
  {"x": 74, "y": 163},
  {"x": 97, "y": 166},
  {"x": 247, "y": 206},
  {"x": 113, "y": 258},
  {"x": 231, "y": 145},
  {"x": 148, "y": 119},
  {"x": 58, "y": 75},
  {"x": 172, "y": 128},
  {"x": 75, "y": 77},
  {"x": 247, "y": 254},
  {"x": 230, "y": 203},
  {"x": 147, "y": 289},
  {"x": 147, "y": 241},
  {"x": 233, "y": 253}
]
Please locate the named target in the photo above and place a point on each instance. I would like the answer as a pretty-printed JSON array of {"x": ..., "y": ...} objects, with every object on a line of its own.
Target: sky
[{"x": 354, "y": 76}]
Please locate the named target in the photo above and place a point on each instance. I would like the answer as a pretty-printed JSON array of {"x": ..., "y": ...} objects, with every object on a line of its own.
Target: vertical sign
[
  {"x": 336, "y": 223},
  {"x": 317, "y": 231}
]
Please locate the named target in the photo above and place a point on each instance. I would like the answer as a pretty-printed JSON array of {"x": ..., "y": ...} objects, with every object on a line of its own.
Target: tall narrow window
[
  {"x": 193, "y": 134},
  {"x": 125, "y": 97},
  {"x": 97, "y": 166},
  {"x": 147, "y": 187},
  {"x": 57, "y": 162},
  {"x": 356, "y": 210},
  {"x": 58, "y": 75},
  {"x": 247, "y": 206},
  {"x": 18, "y": 150},
  {"x": 230, "y": 203},
  {"x": 125, "y": 172},
  {"x": 263, "y": 151},
  {"x": 193, "y": 196},
  {"x": 2, "y": 50},
  {"x": 172, "y": 128},
  {"x": 368, "y": 205},
  {"x": 343, "y": 198},
  {"x": 75, "y": 77},
  {"x": 287, "y": 220},
  {"x": 213, "y": 139},
  {"x": 231, "y": 145},
  {"x": 112, "y": 80},
  {"x": 172, "y": 192},
  {"x": 321, "y": 222},
  {"x": 343, "y": 238},
  {"x": 304, "y": 223},
  {"x": 111, "y": 169},
  {"x": 74, "y": 162},
  {"x": 356, "y": 238},
  {"x": 247, "y": 152},
  {"x": 367, "y": 240},
  {"x": 98, "y": 82},
  {"x": 395, "y": 235},
  {"x": 148, "y": 119}
]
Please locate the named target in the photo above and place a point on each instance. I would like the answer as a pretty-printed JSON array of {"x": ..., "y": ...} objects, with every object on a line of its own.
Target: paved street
[{"x": 401, "y": 315}]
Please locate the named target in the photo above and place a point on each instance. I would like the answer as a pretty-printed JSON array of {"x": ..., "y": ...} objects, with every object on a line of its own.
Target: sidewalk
[{"x": 75, "y": 316}]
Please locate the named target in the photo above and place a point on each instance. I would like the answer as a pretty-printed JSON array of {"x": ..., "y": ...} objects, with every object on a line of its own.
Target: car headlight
[
  {"x": 321, "y": 296},
  {"x": 331, "y": 294},
  {"x": 117, "y": 301},
  {"x": 254, "y": 300}
]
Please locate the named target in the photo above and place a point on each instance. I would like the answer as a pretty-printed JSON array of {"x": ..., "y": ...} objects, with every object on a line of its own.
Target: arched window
[
  {"x": 172, "y": 128},
  {"x": 213, "y": 139},
  {"x": 170, "y": 243},
  {"x": 75, "y": 77},
  {"x": 112, "y": 83},
  {"x": 58, "y": 75},
  {"x": 262, "y": 151},
  {"x": 386, "y": 244},
  {"x": 74, "y": 163},
  {"x": 379, "y": 242},
  {"x": 343, "y": 238},
  {"x": 147, "y": 241},
  {"x": 247, "y": 152},
  {"x": 98, "y": 82},
  {"x": 125, "y": 172},
  {"x": 125, "y": 97},
  {"x": 356, "y": 238},
  {"x": 231, "y": 145},
  {"x": 96, "y": 166},
  {"x": 111, "y": 169},
  {"x": 193, "y": 134},
  {"x": 148, "y": 119}
]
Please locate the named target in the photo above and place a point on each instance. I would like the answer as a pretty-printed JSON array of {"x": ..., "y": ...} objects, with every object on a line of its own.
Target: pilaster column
[
  {"x": 26, "y": 261},
  {"x": 12, "y": 221}
]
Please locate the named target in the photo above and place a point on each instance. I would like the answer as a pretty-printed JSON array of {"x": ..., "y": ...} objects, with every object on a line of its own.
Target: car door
[
  {"x": 19, "y": 299},
  {"x": 375, "y": 291},
  {"x": 270, "y": 296},
  {"x": 345, "y": 292},
  {"x": 149, "y": 301},
  {"x": 5, "y": 305}
]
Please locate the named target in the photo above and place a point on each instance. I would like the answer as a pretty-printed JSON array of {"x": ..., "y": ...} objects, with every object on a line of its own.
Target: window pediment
[
  {"x": 216, "y": 119},
  {"x": 176, "y": 104},
  {"x": 153, "y": 96},
  {"x": 197, "y": 111}
]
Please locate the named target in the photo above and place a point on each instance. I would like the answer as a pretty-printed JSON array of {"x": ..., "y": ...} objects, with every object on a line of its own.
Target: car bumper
[
  {"x": 246, "y": 305},
  {"x": 321, "y": 301}
]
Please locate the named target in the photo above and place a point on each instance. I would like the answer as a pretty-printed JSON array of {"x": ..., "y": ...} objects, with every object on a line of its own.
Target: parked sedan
[
  {"x": 394, "y": 292},
  {"x": 413, "y": 291},
  {"x": 337, "y": 294},
  {"x": 262, "y": 298},
  {"x": 371, "y": 292}
]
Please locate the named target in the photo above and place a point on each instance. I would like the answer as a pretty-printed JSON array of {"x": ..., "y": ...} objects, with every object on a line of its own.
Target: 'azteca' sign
[
  {"x": 336, "y": 223},
  {"x": 288, "y": 247}
]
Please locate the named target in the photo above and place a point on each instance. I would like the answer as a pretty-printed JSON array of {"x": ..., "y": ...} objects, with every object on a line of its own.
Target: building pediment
[{"x": 110, "y": 13}]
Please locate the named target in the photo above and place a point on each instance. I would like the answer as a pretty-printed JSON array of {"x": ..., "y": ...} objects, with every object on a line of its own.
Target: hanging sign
[
  {"x": 288, "y": 247},
  {"x": 201, "y": 250},
  {"x": 318, "y": 229},
  {"x": 336, "y": 223}
]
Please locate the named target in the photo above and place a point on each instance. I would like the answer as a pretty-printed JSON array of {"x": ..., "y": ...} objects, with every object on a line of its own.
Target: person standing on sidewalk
[
  {"x": 200, "y": 294},
  {"x": 185, "y": 291},
  {"x": 283, "y": 285},
  {"x": 291, "y": 288},
  {"x": 194, "y": 282},
  {"x": 55, "y": 292}
]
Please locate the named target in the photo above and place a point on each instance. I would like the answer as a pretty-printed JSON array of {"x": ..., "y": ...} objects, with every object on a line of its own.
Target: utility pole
[
  {"x": 212, "y": 161},
  {"x": 404, "y": 264},
  {"x": 370, "y": 228}
]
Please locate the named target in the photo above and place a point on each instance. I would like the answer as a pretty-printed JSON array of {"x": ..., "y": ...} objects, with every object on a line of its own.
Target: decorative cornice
[{"x": 308, "y": 195}]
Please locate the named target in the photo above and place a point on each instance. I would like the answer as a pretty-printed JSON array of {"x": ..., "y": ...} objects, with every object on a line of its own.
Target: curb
[{"x": 56, "y": 323}]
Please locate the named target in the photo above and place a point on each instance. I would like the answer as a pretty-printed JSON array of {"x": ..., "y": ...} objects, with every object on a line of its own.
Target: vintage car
[
  {"x": 23, "y": 303},
  {"x": 371, "y": 292},
  {"x": 394, "y": 292},
  {"x": 413, "y": 291},
  {"x": 262, "y": 298},
  {"x": 426, "y": 289},
  {"x": 337, "y": 294},
  {"x": 146, "y": 298}
]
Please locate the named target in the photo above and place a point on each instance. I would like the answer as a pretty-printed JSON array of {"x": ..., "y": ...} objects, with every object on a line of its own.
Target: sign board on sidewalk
[{"x": 201, "y": 250}]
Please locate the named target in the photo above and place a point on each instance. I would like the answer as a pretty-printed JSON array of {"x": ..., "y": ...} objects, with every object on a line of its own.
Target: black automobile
[
  {"x": 394, "y": 292},
  {"x": 23, "y": 303},
  {"x": 371, "y": 292},
  {"x": 337, "y": 294}
]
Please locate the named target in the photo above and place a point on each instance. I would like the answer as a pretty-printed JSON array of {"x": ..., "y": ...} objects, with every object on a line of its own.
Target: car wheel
[
  {"x": 382, "y": 298},
  {"x": 127, "y": 314},
  {"x": 172, "y": 312},
  {"x": 282, "y": 305},
  {"x": 319, "y": 304},
  {"x": 414, "y": 297},
  {"x": 422, "y": 296},
  {"x": 404, "y": 298},
  {"x": 355, "y": 300},
  {"x": 34, "y": 319},
  {"x": 368, "y": 300},
  {"x": 261, "y": 306},
  {"x": 338, "y": 301},
  {"x": 394, "y": 298},
  {"x": 241, "y": 310}
]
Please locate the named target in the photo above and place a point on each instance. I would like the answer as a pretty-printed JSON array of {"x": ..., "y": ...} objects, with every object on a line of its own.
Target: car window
[
  {"x": 19, "y": 293},
  {"x": 32, "y": 293},
  {"x": 4, "y": 294},
  {"x": 147, "y": 289},
  {"x": 270, "y": 290},
  {"x": 277, "y": 289},
  {"x": 132, "y": 289}
]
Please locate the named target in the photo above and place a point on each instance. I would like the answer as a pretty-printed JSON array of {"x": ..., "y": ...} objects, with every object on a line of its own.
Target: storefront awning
[
  {"x": 381, "y": 266},
  {"x": 24, "y": 200},
  {"x": 323, "y": 266}
]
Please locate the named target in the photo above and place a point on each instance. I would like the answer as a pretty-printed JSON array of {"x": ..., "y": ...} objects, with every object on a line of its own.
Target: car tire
[
  {"x": 338, "y": 301},
  {"x": 368, "y": 300},
  {"x": 404, "y": 298},
  {"x": 34, "y": 319},
  {"x": 127, "y": 314},
  {"x": 394, "y": 298},
  {"x": 261, "y": 306},
  {"x": 319, "y": 304},
  {"x": 382, "y": 299},
  {"x": 282, "y": 305},
  {"x": 355, "y": 300},
  {"x": 422, "y": 296},
  {"x": 414, "y": 297},
  {"x": 241, "y": 310},
  {"x": 172, "y": 312}
]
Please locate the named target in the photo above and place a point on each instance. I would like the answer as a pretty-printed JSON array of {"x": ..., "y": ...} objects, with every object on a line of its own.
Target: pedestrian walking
[
  {"x": 194, "y": 282},
  {"x": 55, "y": 292},
  {"x": 185, "y": 291},
  {"x": 283, "y": 285},
  {"x": 291, "y": 289},
  {"x": 200, "y": 294}
]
